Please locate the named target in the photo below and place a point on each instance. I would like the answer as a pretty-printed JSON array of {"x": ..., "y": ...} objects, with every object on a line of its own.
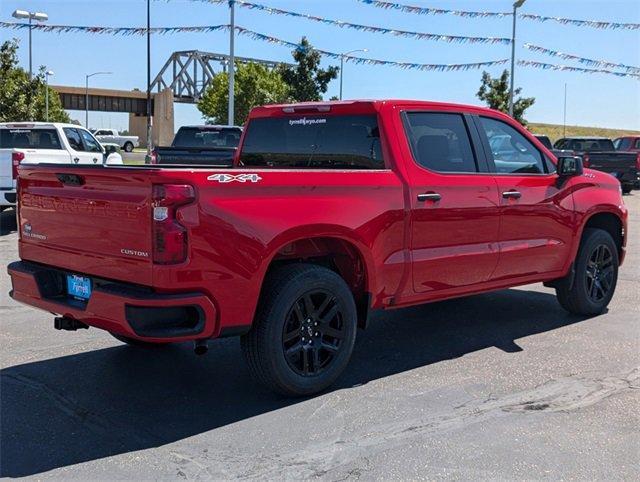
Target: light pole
[
  {"x": 517, "y": 4},
  {"x": 564, "y": 122},
  {"x": 342, "y": 56},
  {"x": 46, "y": 94},
  {"x": 40, "y": 17},
  {"x": 149, "y": 121},
  {"x": 86, "y": 95},
  {"x": 232, "y": 66}
]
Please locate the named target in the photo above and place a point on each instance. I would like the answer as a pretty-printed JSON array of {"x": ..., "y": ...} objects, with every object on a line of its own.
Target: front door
[
  {"x": 536, "y": 215},
  {"x": 454, "y": 204},
  {"x": 84, "y": 149}
]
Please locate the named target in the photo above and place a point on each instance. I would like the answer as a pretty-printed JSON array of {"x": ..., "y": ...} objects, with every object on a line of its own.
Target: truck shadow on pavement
[
  {"x": 7, "y": 222},
  {"x": 97, "y": 404}
]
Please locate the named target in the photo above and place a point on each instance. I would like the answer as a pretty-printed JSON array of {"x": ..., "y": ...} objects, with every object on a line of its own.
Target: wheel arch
[
  {"x": 610, "y": 222},
  {"x": 340, "y": 251}
]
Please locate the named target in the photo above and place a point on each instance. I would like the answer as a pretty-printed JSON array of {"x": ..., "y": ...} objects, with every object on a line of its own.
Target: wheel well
[
  {"x": 609, "y": 223},
  {"x": 335, "y": 254}
]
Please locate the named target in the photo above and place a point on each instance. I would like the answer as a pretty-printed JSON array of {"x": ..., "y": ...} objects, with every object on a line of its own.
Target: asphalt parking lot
[{"x": 499, "y": 386}]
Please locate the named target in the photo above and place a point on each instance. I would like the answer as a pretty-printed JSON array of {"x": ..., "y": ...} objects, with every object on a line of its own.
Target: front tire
[
  {"x": 596, "y": 275},
  {"x": 128, "y": 147},
  {"x": 304, "y": 330},
  {"x": 626, "y": 188}
]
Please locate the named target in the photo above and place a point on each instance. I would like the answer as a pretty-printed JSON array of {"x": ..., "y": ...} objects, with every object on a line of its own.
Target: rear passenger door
[
  {"x": 454, "y": 203},
  {"x": 536, "y": 215}
]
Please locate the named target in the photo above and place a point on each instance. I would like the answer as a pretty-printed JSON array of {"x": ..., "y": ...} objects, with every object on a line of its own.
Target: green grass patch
[{"x": 555, "y": 131}]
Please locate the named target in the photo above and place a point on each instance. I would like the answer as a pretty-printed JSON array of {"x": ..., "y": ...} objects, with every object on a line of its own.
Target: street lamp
[
  {"x": 38, "y": 16},
  {"x": 517, "y": 4},
  {"x": 46, "y": 94},
  {"x": 86, "y": 95},
  {"x": 342, "y": 56}
]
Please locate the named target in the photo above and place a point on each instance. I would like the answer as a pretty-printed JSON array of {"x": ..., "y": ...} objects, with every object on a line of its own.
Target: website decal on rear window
[{"x": 305, "y": 122}]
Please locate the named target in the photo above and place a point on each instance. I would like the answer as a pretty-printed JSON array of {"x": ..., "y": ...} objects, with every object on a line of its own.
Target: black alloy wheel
[
  {"x": 599, "y": 273},
  {"x": 313, "y": 332}
]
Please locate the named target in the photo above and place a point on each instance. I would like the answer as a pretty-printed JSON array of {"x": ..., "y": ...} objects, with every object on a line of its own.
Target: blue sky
[{"x": 593, "y": 100}]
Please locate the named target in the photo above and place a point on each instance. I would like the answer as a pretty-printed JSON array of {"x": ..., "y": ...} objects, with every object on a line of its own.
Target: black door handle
[
  {"x": 76, "y": 160},
  {"x": 511, "y": 194},
  {"x": 429, "y": 196}
]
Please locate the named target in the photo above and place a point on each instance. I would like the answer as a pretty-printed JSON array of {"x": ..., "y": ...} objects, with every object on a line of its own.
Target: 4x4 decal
[{"x": 224, "y": 178}]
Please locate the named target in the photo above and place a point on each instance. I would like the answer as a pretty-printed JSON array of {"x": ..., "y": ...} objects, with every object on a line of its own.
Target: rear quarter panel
[{"x": 236, "y": 229}]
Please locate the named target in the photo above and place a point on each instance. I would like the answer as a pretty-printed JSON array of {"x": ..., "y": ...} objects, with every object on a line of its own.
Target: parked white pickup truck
[
  {"x": 112, "y": 136},
  {"x": 35, "y": 142}
]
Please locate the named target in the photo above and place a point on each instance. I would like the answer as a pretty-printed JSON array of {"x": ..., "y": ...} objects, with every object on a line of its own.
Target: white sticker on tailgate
[{"x": 225, "y": 178}]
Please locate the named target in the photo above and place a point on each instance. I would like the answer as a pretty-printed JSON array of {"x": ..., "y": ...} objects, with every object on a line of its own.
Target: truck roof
[
  {"x": 362, "y": 104},
  {"x": 583, "y": 138},
  {"x": 210, "y": 126},
  {"x": 32, "y": 124}
]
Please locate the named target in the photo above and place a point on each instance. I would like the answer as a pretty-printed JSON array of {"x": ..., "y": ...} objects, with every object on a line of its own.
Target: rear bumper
[
  {"x": 7, "y": 197},
  {"x": 125, "y": 309}
]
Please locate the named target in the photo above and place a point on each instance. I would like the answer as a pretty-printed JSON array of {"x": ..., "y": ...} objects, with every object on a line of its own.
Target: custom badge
[{"x": 225, "y": 178}]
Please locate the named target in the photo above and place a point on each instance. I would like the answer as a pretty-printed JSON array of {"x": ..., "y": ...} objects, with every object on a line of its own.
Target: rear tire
[
  {"x": 136, "y": 343},
  {"x": 596, "y": 275},
  {"x": 128, "y": 147},
  {"x": 304, "y": 330}
]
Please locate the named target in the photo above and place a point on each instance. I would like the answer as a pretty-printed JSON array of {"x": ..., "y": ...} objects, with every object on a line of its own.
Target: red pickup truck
[{"x": 330, "y": 211}]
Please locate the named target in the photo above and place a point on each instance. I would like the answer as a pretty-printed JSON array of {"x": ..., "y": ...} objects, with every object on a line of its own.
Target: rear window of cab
[
  {"x": 28, "y": 138},
  {"x": 313, "y": 142}
]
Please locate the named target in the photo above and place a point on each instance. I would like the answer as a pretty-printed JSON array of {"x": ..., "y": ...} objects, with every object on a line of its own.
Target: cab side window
[
  {"x": 440, "y": 141},
  {"x": 74, "y": 139},
  {"x": 511, "y": 151},
  {"x": 90, "y": 144}
]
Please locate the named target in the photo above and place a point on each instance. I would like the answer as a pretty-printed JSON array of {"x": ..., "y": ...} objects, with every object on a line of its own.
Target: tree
[
  {"x": 254, "y": 85},
  {"x": 23, "y": 99},
  {"x": 495, "y": 92},
  {"x": 307, "y": 80}
]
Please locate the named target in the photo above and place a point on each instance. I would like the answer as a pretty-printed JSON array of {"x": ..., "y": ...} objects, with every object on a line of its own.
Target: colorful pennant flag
[
  {"x": 367, "y": 28},
  {"x": 433, "y": 11},
  {"x": 567, "y": 68},
  {"x": 368, "y": 61},
  {"x": 600, "y": 24},
  {"x": 582, "y": 60},
  {"x": 582, "y": 23},
  {"x": 111, "y": 30},
  {"x": 254, "y": 35}
]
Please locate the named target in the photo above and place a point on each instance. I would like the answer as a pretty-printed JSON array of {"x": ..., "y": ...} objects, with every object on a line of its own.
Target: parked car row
[
  {"x": 620, "y": 158},
  {"x": 46, "y": 142}
]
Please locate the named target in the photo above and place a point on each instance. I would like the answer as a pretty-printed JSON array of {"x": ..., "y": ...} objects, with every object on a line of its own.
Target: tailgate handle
[{"x": 70, "y": 179}]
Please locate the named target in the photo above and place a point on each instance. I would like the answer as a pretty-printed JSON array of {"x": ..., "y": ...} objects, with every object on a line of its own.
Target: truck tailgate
[
  {"x": 613, "y": 162},
  {"x": 91, "y": 221}
]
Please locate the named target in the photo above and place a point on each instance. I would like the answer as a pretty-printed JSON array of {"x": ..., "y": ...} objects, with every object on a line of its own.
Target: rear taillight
[
  {"x": 638, "y": 162},
  {"x": 169, "y": 236},
  {"x": 153, "y": 159},
  {"x": 585, "y": 160},
  {"x": 16, "y": 159}
]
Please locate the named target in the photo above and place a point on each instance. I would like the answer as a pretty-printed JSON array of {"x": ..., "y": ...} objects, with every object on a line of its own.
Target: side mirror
[{"x": 569, "y": 166}]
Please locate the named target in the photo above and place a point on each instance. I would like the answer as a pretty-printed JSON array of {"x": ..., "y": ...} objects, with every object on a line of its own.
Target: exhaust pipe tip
[
  {"x": 200, "y": 347},
  {"x": 68, "y": 324}
]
